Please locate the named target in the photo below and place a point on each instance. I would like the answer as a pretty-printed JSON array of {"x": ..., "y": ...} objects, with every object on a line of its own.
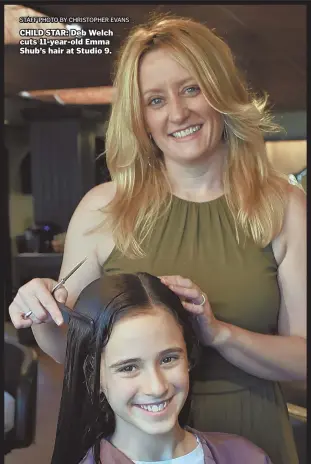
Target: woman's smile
[{"x": 190, "y": 133}]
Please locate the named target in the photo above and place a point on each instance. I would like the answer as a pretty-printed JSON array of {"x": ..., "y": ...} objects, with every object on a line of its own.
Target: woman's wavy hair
[
  {"x": 255, "y": 192},
  {"x": 85, "y": 416}
]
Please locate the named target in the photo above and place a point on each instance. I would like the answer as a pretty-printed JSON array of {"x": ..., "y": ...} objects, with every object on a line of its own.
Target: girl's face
[{"x": 144, "y": 372}]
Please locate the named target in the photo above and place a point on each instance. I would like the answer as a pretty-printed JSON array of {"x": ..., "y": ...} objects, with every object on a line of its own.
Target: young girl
[{"x": 126, "y": 385}]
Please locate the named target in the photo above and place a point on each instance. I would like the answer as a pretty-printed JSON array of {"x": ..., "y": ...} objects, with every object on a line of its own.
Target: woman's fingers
[
  {"x": 195, "y": 309},
  {"x": 176, "y": 280},
  {"x": 17, "y": 316},
  {"x": 188, "y": 293},
  {"x": 38, "y": 314},
  {"x": 35, "y": 296},
  {"x": 61, "y": 294},
  {"x": 184, "y": 288},
  {"x": 45, "y": 304}
]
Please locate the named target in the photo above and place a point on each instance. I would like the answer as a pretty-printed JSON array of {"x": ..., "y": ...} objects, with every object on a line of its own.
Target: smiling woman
[
  {"x": 177, "y": 112},
  {"x": 129, "y": 377}
]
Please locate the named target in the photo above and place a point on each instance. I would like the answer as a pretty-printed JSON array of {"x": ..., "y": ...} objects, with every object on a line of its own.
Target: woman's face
[
  {"x": 182, "y": 123},
  {"x": 144, "y": 372}
]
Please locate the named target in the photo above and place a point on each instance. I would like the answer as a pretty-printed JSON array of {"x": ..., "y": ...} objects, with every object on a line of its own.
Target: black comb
[{"x": 69, "y": 313}]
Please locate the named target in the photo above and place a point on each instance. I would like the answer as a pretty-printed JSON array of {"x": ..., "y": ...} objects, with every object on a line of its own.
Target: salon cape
[{"x": 218, "y": 448}]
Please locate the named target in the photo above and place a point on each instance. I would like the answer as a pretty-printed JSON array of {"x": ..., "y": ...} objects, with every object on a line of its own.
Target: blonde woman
[{"x": 193, "y": 195}]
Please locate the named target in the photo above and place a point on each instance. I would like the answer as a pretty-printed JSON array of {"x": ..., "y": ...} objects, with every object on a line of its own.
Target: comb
[{"x": 69, "y": 313}]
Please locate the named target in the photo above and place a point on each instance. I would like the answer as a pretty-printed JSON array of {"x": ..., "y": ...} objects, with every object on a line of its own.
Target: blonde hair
[{"x": 254, "y": 191}]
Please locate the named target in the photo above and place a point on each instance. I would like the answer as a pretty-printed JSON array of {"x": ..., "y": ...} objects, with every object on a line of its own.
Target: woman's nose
[{"x": 178, "y": 110}]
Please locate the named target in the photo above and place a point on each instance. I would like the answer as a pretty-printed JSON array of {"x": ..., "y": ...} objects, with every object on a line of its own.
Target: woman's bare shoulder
[
  {"x": 294, "y": 222},
  {"x": 99, "y": 196},
  {"x": 295, "y": 219},
  {"x": 88, "y": 213},
  {"x": 297, "y": 200},
  {"x": 86, "y": 234}
]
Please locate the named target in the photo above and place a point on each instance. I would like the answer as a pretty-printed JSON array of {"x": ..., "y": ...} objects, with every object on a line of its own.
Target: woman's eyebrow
[{"x": 178, "y": 84}]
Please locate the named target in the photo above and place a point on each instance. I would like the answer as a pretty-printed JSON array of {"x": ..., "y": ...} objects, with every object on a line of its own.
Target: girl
[{"x": 125, "y": 393}]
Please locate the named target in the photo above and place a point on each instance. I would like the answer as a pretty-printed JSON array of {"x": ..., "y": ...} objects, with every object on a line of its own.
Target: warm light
[{"x": 79, "y": 96}]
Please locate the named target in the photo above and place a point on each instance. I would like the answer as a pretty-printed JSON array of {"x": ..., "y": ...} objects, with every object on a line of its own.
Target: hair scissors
[
  {"x": 64, "y": 279},
  {"x": 60, "y": 283}
]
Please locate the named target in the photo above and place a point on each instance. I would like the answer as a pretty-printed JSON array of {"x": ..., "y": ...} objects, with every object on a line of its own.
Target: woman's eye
[
  {"x": 155, "y": 101},
  {"x": 192, "y": 90}
]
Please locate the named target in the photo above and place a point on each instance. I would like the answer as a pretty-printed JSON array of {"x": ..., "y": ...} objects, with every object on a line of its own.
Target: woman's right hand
[{"x": 36, "y": 296}]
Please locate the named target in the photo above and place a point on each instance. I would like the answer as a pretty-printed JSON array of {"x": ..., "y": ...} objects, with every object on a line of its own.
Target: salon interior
[{"x": 56, "y": 111}]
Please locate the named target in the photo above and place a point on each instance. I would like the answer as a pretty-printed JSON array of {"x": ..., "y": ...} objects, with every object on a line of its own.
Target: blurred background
[{"x": 56, "y": 110}]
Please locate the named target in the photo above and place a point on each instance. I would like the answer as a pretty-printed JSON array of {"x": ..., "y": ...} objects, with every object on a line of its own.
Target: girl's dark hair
[{"x": 85, "y": 415}]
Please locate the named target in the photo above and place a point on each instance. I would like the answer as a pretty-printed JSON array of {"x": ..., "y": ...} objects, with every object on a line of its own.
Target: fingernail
[{"x": 59, "y": 321}]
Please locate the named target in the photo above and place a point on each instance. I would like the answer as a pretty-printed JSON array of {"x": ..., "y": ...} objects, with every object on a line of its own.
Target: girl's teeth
[
  {"x": 186, "y": 132},
  {"x": 155, "y": 408}
]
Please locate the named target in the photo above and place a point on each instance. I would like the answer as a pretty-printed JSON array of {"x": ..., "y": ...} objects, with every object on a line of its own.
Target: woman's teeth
[
  {"x": 154, "y": 407},
  {"x": 188, "y": 131}
]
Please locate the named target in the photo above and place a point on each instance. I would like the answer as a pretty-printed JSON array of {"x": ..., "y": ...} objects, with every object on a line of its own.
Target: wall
[
  {"x": 294, "y": 123},
  {"x": 20, "y": 205}
]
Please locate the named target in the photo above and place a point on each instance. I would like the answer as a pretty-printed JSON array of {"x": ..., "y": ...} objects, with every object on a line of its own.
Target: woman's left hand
[{"x": 210, "y": 330}]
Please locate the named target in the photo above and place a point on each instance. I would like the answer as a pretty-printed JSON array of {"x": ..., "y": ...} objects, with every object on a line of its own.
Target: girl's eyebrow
[
  {"x": 137, "y": 360},
  {"x": 125, "y": 361}
]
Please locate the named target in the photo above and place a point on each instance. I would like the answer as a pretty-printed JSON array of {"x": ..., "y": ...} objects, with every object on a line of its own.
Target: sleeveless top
[{"x": 198, "y": 241}]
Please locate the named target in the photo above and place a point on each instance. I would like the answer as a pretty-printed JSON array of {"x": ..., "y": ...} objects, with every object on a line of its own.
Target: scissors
[
  {"x": 59, "y": 284},
  {"x": 64, "y": 279}
]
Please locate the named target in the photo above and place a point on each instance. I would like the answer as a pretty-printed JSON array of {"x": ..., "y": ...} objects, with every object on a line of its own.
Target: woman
[
  {"x": 193, "y": 194},
  {"x": 127, "y": 375}
]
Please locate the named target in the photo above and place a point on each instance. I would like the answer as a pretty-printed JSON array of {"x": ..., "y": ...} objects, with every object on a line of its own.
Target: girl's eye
[
  {"x": 128, "y": 369},
  {"x": 169, "y": 359},
  {"x": 192, "y": 90}
]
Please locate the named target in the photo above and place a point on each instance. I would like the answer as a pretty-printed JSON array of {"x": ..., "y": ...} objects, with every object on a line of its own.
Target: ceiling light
[
  {"x": 25, "y": 94},
  {"x": 79, "y": 96}
]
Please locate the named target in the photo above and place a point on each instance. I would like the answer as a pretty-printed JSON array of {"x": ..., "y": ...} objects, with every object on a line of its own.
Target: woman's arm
[
  {"x": 281, "y": 357},
  {"x": 36, "y": 295},
  {"x": 272, "y": 357},
  {"x": 275, "y": 357}
]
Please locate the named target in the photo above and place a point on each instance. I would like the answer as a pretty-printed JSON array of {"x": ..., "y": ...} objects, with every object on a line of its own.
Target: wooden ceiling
[{"x": 268, "y": 41}]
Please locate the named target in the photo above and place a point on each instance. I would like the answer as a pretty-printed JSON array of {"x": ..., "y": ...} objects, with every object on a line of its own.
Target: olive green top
[{"x": 198, "y": 241}]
